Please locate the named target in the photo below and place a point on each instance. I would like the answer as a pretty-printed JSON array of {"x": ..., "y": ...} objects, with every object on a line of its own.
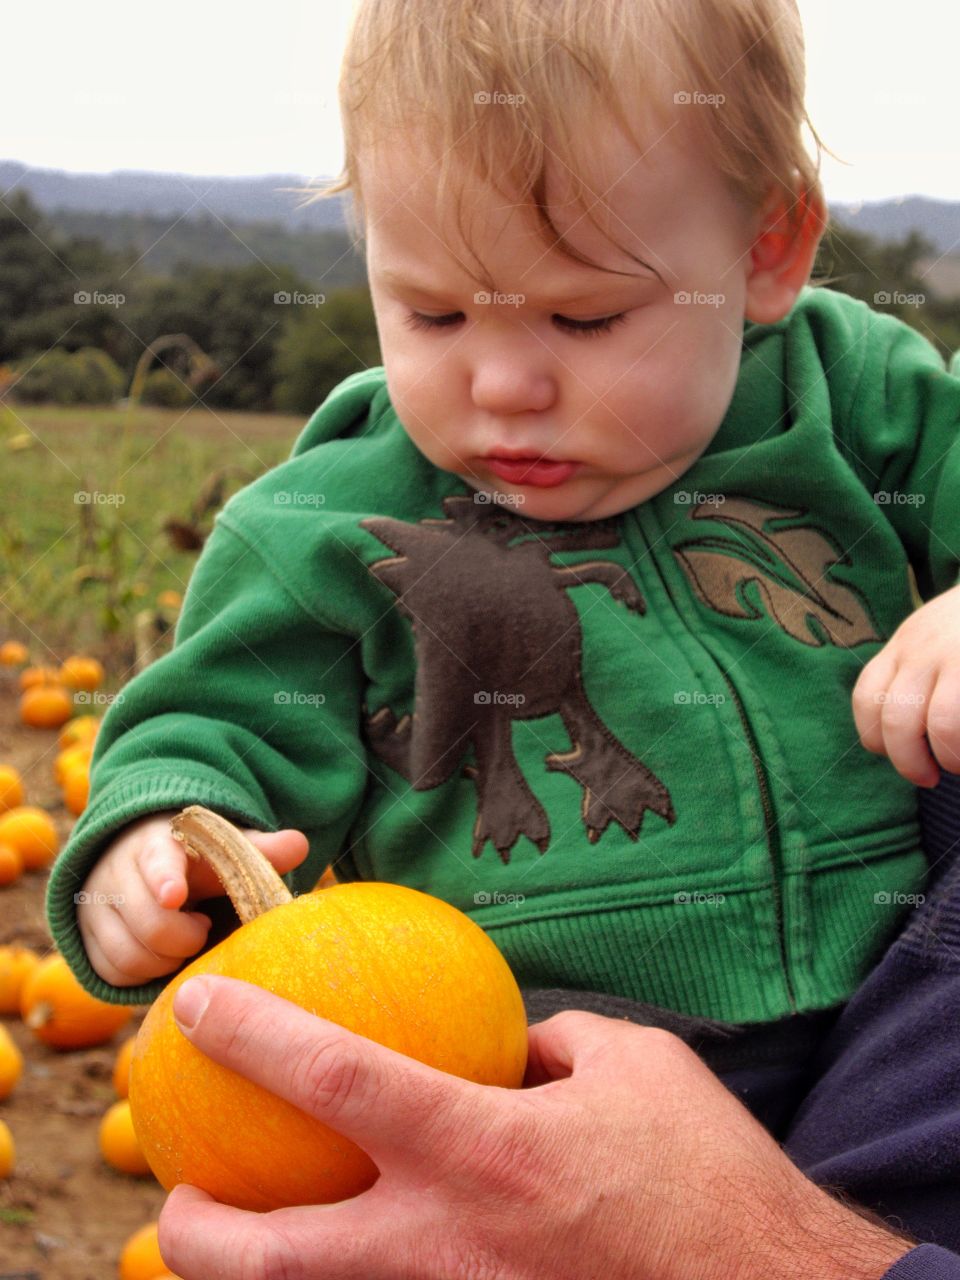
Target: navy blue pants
[{"x": 865, "y": 1098}]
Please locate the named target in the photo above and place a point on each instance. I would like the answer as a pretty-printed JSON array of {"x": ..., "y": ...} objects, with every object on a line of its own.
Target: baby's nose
[{"x": 504, "y": 386}]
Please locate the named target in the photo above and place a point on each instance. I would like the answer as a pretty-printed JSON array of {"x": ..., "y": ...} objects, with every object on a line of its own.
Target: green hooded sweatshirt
[{"x": 624, "y": 747}]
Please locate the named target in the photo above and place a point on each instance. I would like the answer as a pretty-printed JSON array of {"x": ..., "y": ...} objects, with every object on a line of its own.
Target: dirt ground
[{"x": 64, "y": 1213}]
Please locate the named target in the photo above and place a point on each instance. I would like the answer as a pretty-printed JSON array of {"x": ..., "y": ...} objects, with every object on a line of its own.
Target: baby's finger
[
  {"x": 943, "y": 721},
  {"x": 162, "y": 863},
  {"x": 285, "y": 849},
  {"x": 868, "y": 698},
  {"x": 167, "y": 931},
  {"x": 904, "y": 722},
  {"x": 117, "y": 956},
  {"x": 171, "y": 875}
]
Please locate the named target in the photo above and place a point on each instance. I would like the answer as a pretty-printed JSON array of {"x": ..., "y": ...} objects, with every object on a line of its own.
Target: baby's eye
[
  {"x": 416, "y": 320},
  {"x": 603, "y": 325}
]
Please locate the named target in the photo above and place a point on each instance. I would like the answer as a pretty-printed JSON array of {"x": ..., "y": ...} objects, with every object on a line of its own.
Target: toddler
[{"x": 590, "y": 610}]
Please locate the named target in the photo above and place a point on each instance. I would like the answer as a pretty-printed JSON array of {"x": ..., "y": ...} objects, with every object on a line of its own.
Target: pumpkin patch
[{"x": 73, "y": 1167}]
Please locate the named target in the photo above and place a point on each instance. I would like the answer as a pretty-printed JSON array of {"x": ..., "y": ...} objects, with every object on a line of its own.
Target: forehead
[{"x": 651, "y": 199}]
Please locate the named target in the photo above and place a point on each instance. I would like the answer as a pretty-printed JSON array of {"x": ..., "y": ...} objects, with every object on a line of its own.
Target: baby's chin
[{"x": 575, "y": 501}]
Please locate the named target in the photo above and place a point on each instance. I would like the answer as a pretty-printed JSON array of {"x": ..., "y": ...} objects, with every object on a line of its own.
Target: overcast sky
[{"x": 204, "y": 87}]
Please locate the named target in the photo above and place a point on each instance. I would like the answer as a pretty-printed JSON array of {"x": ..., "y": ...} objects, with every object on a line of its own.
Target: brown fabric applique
[
  {"x": 498, "y": 639},
  {"x": 789, "y": 567}
]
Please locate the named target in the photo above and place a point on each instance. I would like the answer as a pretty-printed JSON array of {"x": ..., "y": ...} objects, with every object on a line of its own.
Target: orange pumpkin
[
  {"x": 13, "y": 653},
  {"x": 16, "y": 965},
  {"x": 8, "y": 1152},
  {"x": 327, "y": 880},
  {"x": 32, "y": 677},
  {"x": 118, "y": 1141},
  {"x": 11, "y": 787},
  {"x": 77, "y": 754},
  {"x": 46, "y": 706},
  {"x": 62, "y": 1014},
  {"x": 391, "y": 963},
  {"x": 11, "y": 1063},
  {"x": 76, "y": 789},
  {"x": 141, "y": 1258},
  {"x": 79, "y": 672},
  {"x": 81, "y": 729},
  {"x": 121, "y": 1067},
  {"x": 32, "y": 833},
  {"x": 11, "y": 864}
]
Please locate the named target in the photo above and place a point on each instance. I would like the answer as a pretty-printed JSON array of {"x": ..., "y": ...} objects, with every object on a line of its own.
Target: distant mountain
[
  {"x": 176, "y": 217},
  {"x": 166, "y": 195},
  {"x": 324, "y": 259},
  {"x": 260, "y": 199},
  {"x": 938, "y": 220}
]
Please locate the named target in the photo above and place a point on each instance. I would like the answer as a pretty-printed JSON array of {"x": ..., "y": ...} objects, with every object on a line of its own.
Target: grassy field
[{"x": 86, "y": 494}]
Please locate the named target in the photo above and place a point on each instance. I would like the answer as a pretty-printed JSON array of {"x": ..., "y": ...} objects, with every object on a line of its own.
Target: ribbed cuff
[
  {"x": 926, "y": 1262},
  {"x": 153, "y": 789}
]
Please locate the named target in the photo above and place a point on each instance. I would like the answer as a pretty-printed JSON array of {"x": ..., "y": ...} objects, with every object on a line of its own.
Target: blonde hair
[{"x": 549, "y": 69}]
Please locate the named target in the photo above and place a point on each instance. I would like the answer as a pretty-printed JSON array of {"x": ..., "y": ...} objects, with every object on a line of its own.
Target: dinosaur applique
[
  {"x": 788, "y": 566},
  {"x": 498, "y": 639}
]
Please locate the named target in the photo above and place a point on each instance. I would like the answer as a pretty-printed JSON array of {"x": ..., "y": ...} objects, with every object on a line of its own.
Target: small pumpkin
[
  {"x": 16, "y": 965},
  {"x": 8, "y": 1151},
  {"x": 141, "y": 1260},
  {"x": 76, "y": 789},
  {"x": 32, "y": 833},
  {"x": 11, "y": 1063},
  {"x": 121, "y": 1068},
  {"x": 33, "y": 677},
  {"x": 391, "y": 963},
  {"x": 62, "y": 1014},
  {"x": 46, "y": 706},
  {"x": 78, "y": 753},
  {"x": 13, "y": 653},
  {"x": 11, "y": 787},
  {"x": 81, "y": 672},
  {"x": 118, "y": 1141},
  {"x": 81, "y": 729},
  {"x": 11, "y": 865}
]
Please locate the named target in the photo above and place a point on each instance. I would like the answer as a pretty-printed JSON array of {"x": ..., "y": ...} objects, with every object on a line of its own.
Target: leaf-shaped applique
[{"x": 789, "y": 567}]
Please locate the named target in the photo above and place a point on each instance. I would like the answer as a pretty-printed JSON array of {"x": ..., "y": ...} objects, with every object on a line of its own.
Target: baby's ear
[{"x": 782, "y": 255}]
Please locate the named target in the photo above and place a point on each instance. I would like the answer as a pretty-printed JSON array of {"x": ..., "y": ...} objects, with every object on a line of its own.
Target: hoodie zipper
[
  {"x": 770, "y": 822},
  {"x": 772, "y": 830}
]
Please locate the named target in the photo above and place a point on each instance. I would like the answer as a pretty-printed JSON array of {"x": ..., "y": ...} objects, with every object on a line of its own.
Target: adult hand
[{"x": 624, "y": 1157}]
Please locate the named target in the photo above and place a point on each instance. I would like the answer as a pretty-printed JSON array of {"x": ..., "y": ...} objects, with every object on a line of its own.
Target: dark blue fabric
[
  {"x": 882, "y": 1119},
  {"x": 864, "y": 1098},
  {"x": 926, "y": 1262}
]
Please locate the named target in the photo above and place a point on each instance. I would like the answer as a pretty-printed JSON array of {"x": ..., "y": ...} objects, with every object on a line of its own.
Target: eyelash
[{"x": 583, "y": 328}]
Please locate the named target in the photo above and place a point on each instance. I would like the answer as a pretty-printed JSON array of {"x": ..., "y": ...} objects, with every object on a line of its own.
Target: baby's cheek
[
  {"x": 432, "y": 432},
  {"x": 708, "y": 365}
]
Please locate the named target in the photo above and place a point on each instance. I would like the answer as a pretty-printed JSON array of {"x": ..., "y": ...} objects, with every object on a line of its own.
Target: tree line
[{"x": 76, "y": 317}]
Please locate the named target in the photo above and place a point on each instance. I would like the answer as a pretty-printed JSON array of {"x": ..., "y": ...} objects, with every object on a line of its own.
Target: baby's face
[{"x": 615, "y": 381}]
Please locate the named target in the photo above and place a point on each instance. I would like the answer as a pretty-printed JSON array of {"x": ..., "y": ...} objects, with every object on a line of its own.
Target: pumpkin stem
[
  {"x": 39, "y": 1015},
  {"x": 250, "y": 880}
]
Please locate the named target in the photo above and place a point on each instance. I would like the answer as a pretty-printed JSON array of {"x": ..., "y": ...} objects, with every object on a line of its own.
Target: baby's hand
[
  {"x": 910, "y": 692},
  {"x": 129, "y": 913}
]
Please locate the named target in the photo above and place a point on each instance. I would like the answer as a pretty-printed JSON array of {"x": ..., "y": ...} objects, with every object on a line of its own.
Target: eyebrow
[{"x": 398, "y": 279}]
